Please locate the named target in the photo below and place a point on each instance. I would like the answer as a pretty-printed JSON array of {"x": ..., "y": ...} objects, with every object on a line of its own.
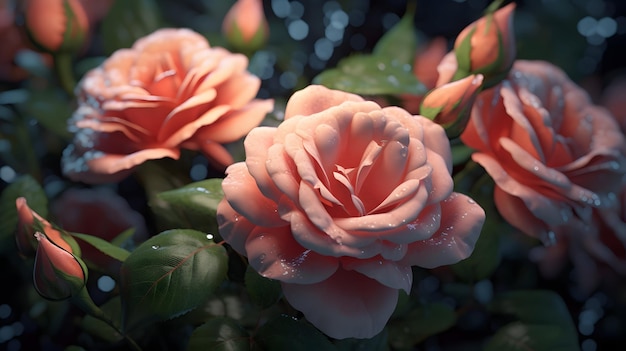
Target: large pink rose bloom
[
  {"x": 339, "y": 201},
  {"x": 171, "y": 90},
  {"x": 553, "y": 155}
]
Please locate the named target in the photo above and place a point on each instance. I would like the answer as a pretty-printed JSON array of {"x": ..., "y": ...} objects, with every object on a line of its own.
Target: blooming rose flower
[
  {"x": 170, "y": 90},
  {"x": 554, "y": 156},
  {"x": 339, "y": 201}
]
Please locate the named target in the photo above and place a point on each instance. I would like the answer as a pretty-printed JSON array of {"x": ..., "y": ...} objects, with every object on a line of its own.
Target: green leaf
[
  {"x": 123, "y": 238},
  {"x": 195, "y": 204},
  {"x": 51, "y": 108},
  {"x": 169, "y": 275},
  {"x": 387, "y": 71},
  {"x": 104, "y": 246},
  {"x": 544, "y": 322},
  {"x": 400, "y": 42},
  {"x": 287, "y": 333},
  {"x": 420, "y": 323},
  {"x": 128, "y": 21},
  {"x": 461, "y": 153},
  {"x": 24, "y": 186},
  {"x": 219, "y": 334},
  {"x": 371, "y": 75},
  {"x": 263, "y": 291},
  {"x": 377, "y": 343}
]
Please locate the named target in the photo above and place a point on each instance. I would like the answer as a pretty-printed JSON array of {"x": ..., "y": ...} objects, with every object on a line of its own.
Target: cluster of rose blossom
[{"x": 341, "y": 199}]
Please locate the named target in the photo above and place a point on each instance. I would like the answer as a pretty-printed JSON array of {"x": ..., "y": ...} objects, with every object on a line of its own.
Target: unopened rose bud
[
  {"x": 56, "y": 25},
  {"x": 487, "y": 46},
  {"x": 30, "y": 222},
  {"x": 450, "y": 105},
  {"x": 245, "y": 25},
  {"x": 57, "y": 275}
]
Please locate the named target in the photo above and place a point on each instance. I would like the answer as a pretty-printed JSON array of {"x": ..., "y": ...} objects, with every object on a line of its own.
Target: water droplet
[
  {"x": 209, "y": 236},
  {"x": 262, "y": 257},
  {"x": 471, "y": 201},
  {"x": 549, "y": 238},
  {"x": 155, "y": 247}
]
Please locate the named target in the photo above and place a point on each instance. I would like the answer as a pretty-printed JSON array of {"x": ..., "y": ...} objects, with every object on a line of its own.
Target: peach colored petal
[
  {"x": 97, "y": 167},
  {"x": 545, "y": 209},
  {"x": 307, "y": 101},
  {"x": 311, "y": 237},
  {"x": 237, "y": 91},
  {"x": 378, "y": 224},
  {"x": 237, "y": 123},
  {"x": 187, "y": 130},
  {"x": 456, "y": 237},
  {"x": 262, "y": 157},
  {"x": 283, "y": 173},
  {"x": 186, "y": 113},
  {"x": 275, "y": 254},
  {"x": 245, "y": 198},
  {"x": 345, "y": 305},
  {"x": 389, "y": 273},
  {"x": 233, "y": 227}
]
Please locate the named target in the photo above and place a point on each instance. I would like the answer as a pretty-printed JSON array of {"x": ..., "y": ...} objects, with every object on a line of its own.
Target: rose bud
[
  {"x": 245, "y": 26},
  {"x": 487, "y": 46},
  {"x": 450, "y": 105},
  {"x": 58, "y": 274},
  {"x": 56, "y": 25},
  {"x": 30, "y": 222}
]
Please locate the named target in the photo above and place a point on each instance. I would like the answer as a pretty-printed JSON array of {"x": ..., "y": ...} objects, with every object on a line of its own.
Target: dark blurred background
[{"x": 586, "y": 38}]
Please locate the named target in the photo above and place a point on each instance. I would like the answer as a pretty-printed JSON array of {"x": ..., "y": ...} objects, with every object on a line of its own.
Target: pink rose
[
  {"x": 339, "y": 201},
  {"x": 553, "y": 155},
  {"x": 171, "y": 90}
]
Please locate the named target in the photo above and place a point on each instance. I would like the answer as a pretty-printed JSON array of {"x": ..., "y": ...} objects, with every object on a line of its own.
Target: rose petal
[
  {"x": 97, "y": 167},
  {"x": 245, "y": 198},
  {"x": 307, "y": 101},
  {"x": 236, "y": 123},
  {"x": 461, "y": 222},
  {"x": 348, "y": 304},
  {"x": 389, "y": 273},
  {"x": 275, "y": 254},
  {"x": 233, "y": 227}
]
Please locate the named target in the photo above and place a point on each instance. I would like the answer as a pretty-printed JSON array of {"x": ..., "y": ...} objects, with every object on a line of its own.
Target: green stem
[
  {"x": 85, "y": 303},
  {"x": 64, "y": 71}
]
